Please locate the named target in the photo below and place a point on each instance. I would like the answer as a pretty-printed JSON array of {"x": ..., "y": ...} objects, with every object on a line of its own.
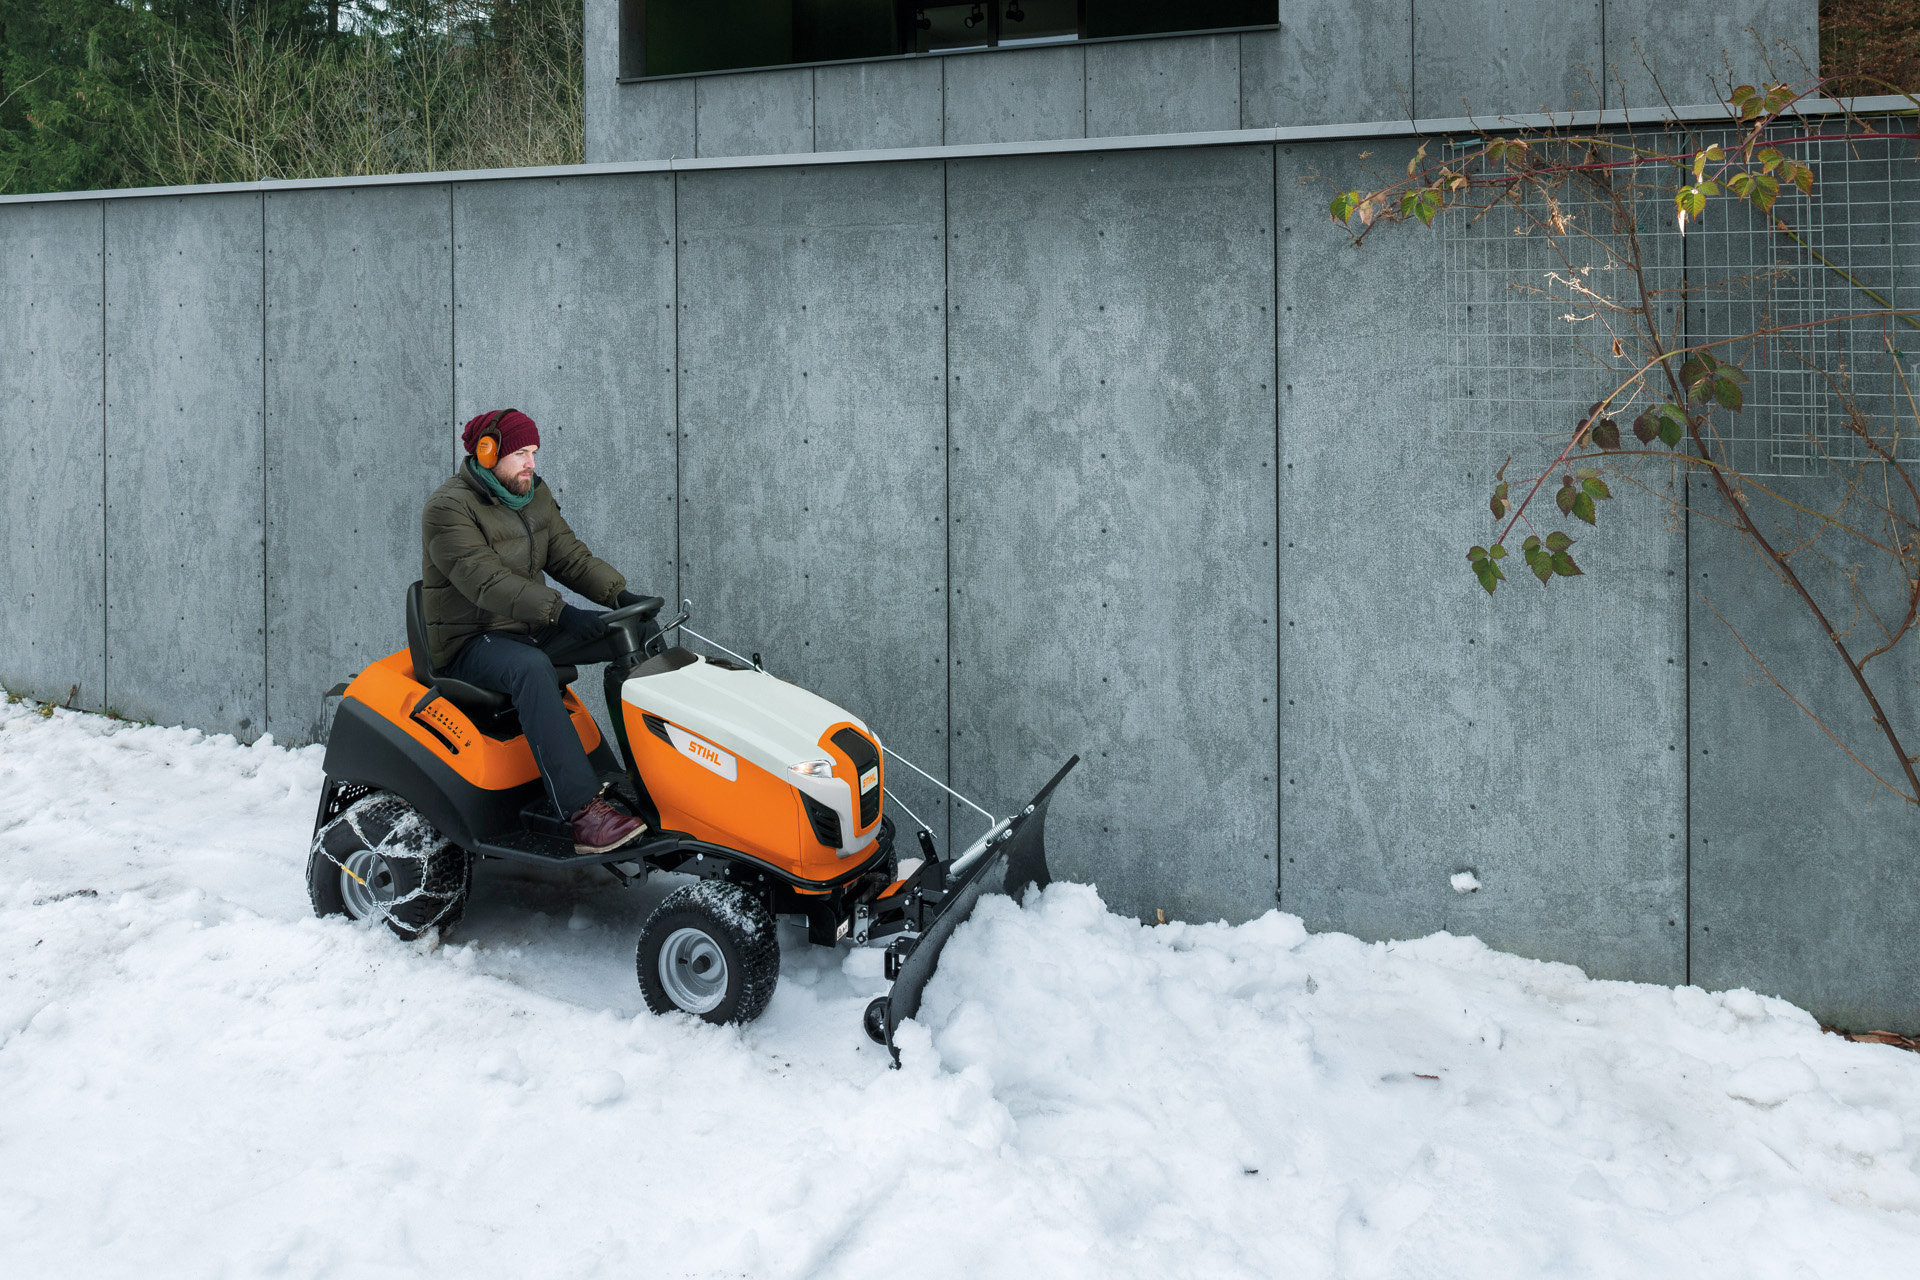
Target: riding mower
[{"x": 769, "y": 794}]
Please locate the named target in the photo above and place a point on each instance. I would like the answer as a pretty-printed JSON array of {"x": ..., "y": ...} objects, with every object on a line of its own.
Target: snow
[{"x": 203, "y": 1080}]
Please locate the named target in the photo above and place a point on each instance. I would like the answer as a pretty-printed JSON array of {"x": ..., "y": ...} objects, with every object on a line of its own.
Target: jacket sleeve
[
  {"x": 460, "y": 550},
  {"x": 569, "y": 560}
]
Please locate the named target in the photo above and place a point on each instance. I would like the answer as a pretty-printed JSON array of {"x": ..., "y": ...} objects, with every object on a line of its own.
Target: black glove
[
  {"x": 584, "y": 625},
  {"x": 626, "y": 598}
]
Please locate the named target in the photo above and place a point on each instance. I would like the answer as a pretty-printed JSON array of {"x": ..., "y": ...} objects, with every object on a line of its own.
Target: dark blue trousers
[{"x": 522, "y": 668}]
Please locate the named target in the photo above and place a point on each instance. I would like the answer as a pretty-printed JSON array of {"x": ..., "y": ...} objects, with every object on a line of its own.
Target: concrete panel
[
  {"x": 1803, "y": 882},
  {"x": 1331, "y": 62},
  {"x": 758, "y": 113},
  {"x": 811, "y": 410},
  {"x": 1138, "y": 87},
  {"x": 1534, "y": 739},
  {"x": 564, "y": 292},
  {"x": 601, "y": 91},
  {"x": 871, "y": 105},
  {"x": 52, "y": 577},
  {"x": 186, "y": 623},
  {"x": 1661, "y": 53},
  {"x": 1113, "y": 506},
  {"x": 359, "y": 386},
  {"x": 1803, "y": 865},
  {"x": 1488, "y": 57},
  {"x": 646, "y": 120},
  {"x": 1016, "y": 95}
]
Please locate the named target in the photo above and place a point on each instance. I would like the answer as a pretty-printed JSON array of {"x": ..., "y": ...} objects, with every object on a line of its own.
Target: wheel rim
[
  {"x": 366, "y": 885},
  {"x": 693, "y": 970}
]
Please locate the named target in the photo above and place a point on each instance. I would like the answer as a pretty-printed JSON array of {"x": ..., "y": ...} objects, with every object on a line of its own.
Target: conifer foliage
[{"x": 117, "y": 93}]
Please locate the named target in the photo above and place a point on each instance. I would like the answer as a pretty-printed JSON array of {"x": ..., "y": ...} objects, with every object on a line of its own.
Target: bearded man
[{"x": 488, "y": 538}]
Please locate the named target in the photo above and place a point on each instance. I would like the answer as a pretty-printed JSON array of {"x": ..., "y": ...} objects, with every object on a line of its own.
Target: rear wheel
[
  {"x": 380, "y": 860},
  {"x": 710, "y": 950}
]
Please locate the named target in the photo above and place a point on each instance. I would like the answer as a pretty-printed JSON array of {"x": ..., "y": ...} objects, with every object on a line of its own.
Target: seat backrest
[{"x": 417, "y": 637}]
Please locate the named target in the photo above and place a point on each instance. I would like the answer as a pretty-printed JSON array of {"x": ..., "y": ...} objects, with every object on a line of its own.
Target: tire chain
[{"x": 431, "y": 885}]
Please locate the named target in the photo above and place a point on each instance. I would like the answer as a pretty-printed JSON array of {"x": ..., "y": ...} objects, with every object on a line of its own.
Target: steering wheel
[{"x": 641, "y": 611}]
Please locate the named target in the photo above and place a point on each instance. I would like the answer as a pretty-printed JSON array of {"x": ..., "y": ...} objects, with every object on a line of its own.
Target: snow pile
[{"x": 203, "y": 1080}]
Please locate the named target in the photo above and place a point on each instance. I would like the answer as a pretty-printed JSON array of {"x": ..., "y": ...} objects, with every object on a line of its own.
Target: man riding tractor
[{"x": 489, "y": 536}]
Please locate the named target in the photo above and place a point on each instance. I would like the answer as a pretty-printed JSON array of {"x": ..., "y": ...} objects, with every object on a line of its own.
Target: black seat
[{"x": 470, "y": 698}]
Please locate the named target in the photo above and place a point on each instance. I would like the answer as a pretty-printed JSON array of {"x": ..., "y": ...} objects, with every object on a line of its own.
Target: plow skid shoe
[{"x": 1007, "y": 859}]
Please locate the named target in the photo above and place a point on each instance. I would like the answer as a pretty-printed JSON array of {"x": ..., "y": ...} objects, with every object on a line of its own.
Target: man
[{"x": 488, "y": 538}]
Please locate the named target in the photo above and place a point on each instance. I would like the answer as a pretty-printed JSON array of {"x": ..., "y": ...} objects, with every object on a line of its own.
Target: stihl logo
[
  {"x": 704, "y": 753},
  {"x": 869, "y": 780}
]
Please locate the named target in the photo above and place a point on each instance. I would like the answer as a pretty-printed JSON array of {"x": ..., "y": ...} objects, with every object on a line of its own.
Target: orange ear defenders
[{"x": 486, "y": 450}]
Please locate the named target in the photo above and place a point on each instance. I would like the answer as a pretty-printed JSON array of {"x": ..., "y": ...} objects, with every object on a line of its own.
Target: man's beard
[{"x": 520, "y": 486}]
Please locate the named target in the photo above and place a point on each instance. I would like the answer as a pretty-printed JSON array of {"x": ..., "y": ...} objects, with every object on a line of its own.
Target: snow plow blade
[{"x": 1007, "y": 859}]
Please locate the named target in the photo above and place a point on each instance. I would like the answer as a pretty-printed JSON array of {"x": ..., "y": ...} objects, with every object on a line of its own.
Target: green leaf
[
  {"x": 1647, "y": 426},
  {"x": 1489, "y": 574},
  {"x": 1727, "y": 392},
  {"x": 1426, "y": 206},
  {"x": 1770, "y": 159},
  {"x": 1344, "y": 205},
  {"x": 1607, "y": 434},
  {"x": 1531, "y": 545},
  {"x": 1671, "y": 426},
  {"x": 1564, "y": 498},
  {"x": 1558, "y": 541},
  {"x": 1765, "y": 191},
  {"x": 1498, "y": 551},
  {"x": 1418, "y": 156},
  {"x": 1583, "y": 507},
  {"x": 1564, "y": 566},
  {"x": 1542, "y": 565},
  {"x": 1596, "y": 488},
  {"x": 1476, "y": 554}
]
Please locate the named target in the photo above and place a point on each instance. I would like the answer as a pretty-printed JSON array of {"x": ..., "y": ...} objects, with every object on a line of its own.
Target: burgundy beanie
[{"x": 516, "y": 431}]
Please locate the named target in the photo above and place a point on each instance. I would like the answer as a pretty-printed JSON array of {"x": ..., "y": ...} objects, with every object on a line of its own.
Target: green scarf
[{"x": 501, "y": 494}]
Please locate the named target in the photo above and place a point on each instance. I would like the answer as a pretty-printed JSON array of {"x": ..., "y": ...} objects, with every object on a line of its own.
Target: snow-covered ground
[{"x": 200, "y": 1079}]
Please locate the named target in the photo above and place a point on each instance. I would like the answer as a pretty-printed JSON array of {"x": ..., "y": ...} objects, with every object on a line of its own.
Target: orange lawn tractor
[{"x": 775, "y": 798}]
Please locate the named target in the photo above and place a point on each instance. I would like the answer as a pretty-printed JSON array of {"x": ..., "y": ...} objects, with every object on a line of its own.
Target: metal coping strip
[{"x": 1717, "y": 113}]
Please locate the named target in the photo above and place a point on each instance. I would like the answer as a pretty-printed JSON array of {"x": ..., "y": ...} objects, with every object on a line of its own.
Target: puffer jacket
[{"x": 483, "y": 567}]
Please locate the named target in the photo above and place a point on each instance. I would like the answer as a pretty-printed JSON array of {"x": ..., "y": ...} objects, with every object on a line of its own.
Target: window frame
[{"x": 633, "y": 46}]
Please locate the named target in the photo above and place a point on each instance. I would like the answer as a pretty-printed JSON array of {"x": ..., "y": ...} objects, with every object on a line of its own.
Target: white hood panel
[{"x": 770, "y": 722}]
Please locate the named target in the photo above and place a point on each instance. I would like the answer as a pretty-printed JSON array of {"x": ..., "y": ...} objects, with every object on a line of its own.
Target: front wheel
[
  {"x": 380, "y": 860},
  {"x": 710, "y": 949}
]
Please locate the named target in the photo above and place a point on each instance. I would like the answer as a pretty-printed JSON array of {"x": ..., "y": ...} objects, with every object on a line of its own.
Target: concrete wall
[
  {"x": 1329, "y": 62},
  {"x": 1112, "y": 450},
  {"x": 185, "y": 513},
  {"x": 359, "y": 341},
  {"x": 53, "y": 574},
  {"x": 1120, "y": 453},
  {"x": 1428, "y": 729}
]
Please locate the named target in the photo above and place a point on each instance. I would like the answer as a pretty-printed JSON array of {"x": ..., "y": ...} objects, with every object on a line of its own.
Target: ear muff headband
[{"x": 486, "y": 450}]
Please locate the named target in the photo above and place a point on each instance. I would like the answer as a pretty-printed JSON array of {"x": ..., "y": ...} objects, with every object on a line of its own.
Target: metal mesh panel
[{"x": 1529, "y": 347}]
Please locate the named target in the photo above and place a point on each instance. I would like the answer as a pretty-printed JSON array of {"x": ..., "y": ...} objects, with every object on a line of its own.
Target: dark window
[{"x": 684, "y": 37}]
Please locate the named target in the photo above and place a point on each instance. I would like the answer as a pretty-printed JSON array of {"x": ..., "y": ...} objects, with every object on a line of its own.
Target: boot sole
[{"x": 628, "y": 839}]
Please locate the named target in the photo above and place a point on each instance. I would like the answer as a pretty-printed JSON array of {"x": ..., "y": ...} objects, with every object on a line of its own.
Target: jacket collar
[{"x": 472, "y": 482}]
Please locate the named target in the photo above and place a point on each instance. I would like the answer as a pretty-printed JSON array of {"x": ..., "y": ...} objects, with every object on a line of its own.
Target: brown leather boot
[{"x": 600, "y": 827}]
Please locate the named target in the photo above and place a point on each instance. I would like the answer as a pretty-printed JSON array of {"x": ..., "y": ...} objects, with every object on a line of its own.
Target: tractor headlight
[{"x": 812, "y": 768}]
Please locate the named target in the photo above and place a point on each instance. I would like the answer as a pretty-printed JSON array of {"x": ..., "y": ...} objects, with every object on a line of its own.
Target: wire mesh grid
[{"x": 1531, "y": 318}]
